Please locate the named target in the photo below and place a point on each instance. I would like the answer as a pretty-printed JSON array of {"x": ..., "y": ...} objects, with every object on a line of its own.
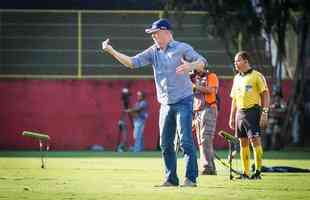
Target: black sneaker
[
  {"x": 242, "y": 177},
  {"x": 208, "y": 172},
  {"x": 256, "y": 176}
]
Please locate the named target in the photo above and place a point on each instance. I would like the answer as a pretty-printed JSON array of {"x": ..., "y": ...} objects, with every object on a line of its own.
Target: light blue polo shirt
[{"x": 170, "y": 87}]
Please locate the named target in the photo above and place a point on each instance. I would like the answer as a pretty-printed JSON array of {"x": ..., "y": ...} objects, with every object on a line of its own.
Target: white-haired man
[{"x": 171, "y": 61}]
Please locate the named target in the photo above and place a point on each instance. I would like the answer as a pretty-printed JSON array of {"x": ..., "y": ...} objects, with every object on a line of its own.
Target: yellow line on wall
[{"x": 79, "y": 44}]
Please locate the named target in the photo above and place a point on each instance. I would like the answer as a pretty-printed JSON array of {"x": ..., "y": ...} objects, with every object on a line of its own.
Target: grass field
[{"x": 129, "y": 176}]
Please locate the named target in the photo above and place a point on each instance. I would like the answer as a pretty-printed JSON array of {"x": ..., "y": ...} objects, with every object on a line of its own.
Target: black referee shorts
[{"x": 248, "y": 122}]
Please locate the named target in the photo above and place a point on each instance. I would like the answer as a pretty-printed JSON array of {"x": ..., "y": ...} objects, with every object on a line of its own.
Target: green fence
[{"x": 51, "y": 43}]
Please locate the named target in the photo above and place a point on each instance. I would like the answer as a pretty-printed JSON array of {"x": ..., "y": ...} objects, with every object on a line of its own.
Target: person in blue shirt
[
  {"x": 139, "y": 115},
  {"x": 171, "y": 61}
]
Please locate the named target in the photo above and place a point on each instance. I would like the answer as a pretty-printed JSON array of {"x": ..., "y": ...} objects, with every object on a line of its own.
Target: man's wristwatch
[{"x": 265, "y": 110}]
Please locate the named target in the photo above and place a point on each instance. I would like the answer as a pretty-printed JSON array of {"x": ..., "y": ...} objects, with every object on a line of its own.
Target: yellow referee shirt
[{"x": 247, "y": 88}]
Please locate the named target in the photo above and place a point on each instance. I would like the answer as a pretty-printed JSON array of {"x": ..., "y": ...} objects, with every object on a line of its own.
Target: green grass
[{"x": 129, "y": 176}]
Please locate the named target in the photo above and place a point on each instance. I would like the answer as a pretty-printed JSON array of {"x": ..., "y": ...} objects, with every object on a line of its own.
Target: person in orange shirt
[{"x": 205, "y": 85}]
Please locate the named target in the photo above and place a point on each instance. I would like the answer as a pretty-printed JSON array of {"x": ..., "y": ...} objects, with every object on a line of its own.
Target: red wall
[{"x": 79, "y": 113}]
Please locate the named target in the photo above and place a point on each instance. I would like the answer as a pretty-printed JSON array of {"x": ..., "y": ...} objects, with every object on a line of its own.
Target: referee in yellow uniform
[{"x": 249, "y": 112}]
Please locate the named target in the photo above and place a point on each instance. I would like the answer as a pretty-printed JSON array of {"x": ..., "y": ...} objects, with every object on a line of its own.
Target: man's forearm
[
  {"x": 233, "y": 109},
  {"x": 122, "y": 58},
  {"x": 265, "y": 99},
  {"x": 134, "y": 109}
]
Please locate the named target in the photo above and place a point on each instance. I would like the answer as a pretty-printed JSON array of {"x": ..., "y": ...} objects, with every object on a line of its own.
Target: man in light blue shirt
[{"x": 171, "y": 61}]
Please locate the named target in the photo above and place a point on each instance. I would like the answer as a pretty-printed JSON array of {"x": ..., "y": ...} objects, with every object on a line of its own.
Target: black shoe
[
  {"x": 256, "y": 176},
  {"x": 167, "y": 184},
  {"x": 208, "y": 172},
  {"x": 242, "y": 177}
]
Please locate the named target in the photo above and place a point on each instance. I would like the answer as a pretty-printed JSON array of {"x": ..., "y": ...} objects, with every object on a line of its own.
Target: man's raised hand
[
  {"x": 185, "y": 67},
  {"x": 105, "y": 44}
]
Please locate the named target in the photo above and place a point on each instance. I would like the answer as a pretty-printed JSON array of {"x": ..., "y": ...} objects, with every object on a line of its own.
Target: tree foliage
[{"x": 241, "y": 24}]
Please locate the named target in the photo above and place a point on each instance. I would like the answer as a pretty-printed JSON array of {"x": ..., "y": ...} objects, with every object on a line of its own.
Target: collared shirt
[
  {"x": 247, "y": 88},
  {"x": 170, "y": 87}
]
